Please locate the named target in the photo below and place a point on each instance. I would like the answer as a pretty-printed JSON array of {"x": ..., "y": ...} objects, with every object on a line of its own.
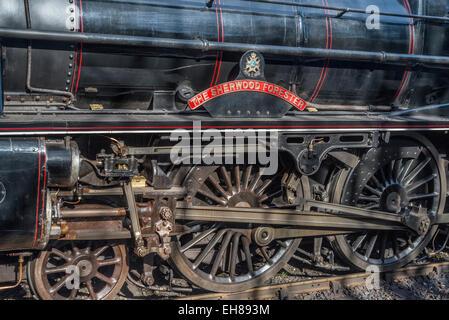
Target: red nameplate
[{"x": 246, "y": 85}]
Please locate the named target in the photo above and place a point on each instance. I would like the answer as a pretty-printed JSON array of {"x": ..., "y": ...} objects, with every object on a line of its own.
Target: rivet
[
  {"x": 51, "y": 100},
  {"x": 38, "y": 98},
  {"x": 71, "y": 56},
  {"x": 8, "y": 98},
  {"x": 69, "y": 73},
  {"x": 22, "y": 100}
]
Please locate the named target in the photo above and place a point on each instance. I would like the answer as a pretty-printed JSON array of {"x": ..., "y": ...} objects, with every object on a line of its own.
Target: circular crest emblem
[{"x": 251, "y": 64}]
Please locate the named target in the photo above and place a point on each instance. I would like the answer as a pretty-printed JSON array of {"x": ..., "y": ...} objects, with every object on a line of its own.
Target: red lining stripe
[
  {"x": 329, "y": 42},
  {"x": 76, "y": 50},
  {"x": 220, "y": 38},
  {"x": 81, "y": 46},
  {"x": 235, "y": 127},
  {"x": 38, "y": 192},
  {"x": 411, "y": 48}
]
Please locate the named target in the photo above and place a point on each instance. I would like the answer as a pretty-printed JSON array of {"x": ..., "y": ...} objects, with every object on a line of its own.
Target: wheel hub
[
  {"x": 87, "y": 268},
  {"x": 244, "y": 199},
  {"x": 394, "y": 198}
]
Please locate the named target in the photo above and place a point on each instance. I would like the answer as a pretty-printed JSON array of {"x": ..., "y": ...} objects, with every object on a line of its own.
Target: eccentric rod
[{"x": 411, "y": 61}]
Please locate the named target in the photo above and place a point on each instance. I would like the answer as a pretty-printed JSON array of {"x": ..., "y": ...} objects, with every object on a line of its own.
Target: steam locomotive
[{"x": 96, "y": 96}]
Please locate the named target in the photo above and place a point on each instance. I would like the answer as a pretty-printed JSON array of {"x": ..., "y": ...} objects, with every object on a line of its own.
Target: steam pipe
[{"x": 204, "y": 45}]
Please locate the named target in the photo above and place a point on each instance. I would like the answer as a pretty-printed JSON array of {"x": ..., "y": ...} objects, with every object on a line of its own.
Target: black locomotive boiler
[{"x": 354, "y": 98}]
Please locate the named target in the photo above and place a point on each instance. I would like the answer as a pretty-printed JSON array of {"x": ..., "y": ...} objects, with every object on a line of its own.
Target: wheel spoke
[
  {"x": 218, "y": 187},
  {"x": 237, "y": 178},
  {"x": 377, "y": 183},
  {"x": 371, "y": 199},
  {"x": 61, "y": 269},
  {"x": 53, "y": 290},
  {"x": 221, "y": 252},
  {"x": 420, "y": 183},
  {"x": 358, "y": 242},
  {"x": 99, "y": 251},
  {"x": 262, "y": 188},
  {"x": 208, "y": 248},
  {"x": 423, "y": 196},
  {"x": 374, "y": 191},
  {"x": 60, "y": 254},
  {"x": 246, "y": 177},
  {"x": 235, "y": 248},
  {"x": 73, "y": 294},
  {"x": 395, "y": 245},
  {"x": 74, "y": 247},
  {"x": 212, "y": 196},
  {"x": 370, "y": 246},
  {"x": 397, "y": 169},
  {"x": 390, "y": 171},
  {"x": 227, "y": 179},
  {"x": 383, "y": 246},
  {"x": 255, "y": 181},
  {"x": 371, "y": 206},
  {"x": 91, "y": 290},
  {"x": 249, "y": 261},
  {"x": 416, "y": 171},
  {"x": 109, "y": 262},
  {"x": 406, "y": 169},
  {"x": 197, "y": 239},
  {"x": 102, "y": 277}
]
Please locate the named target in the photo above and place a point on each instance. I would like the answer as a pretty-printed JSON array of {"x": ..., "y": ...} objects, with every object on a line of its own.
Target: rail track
[{"x": 336, "y": 283}]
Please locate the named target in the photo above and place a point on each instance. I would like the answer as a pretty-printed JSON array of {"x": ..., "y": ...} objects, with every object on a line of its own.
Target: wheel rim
[
  {"x": 391, "y": 179},
  {"x": 101, "y": 267},
  {"x": 222, "y": 257}
]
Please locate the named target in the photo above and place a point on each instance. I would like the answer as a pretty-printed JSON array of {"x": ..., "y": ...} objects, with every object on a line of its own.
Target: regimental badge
[
  {"x": 252, "y": 68},
  {"x": 251, "y": 65}
]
